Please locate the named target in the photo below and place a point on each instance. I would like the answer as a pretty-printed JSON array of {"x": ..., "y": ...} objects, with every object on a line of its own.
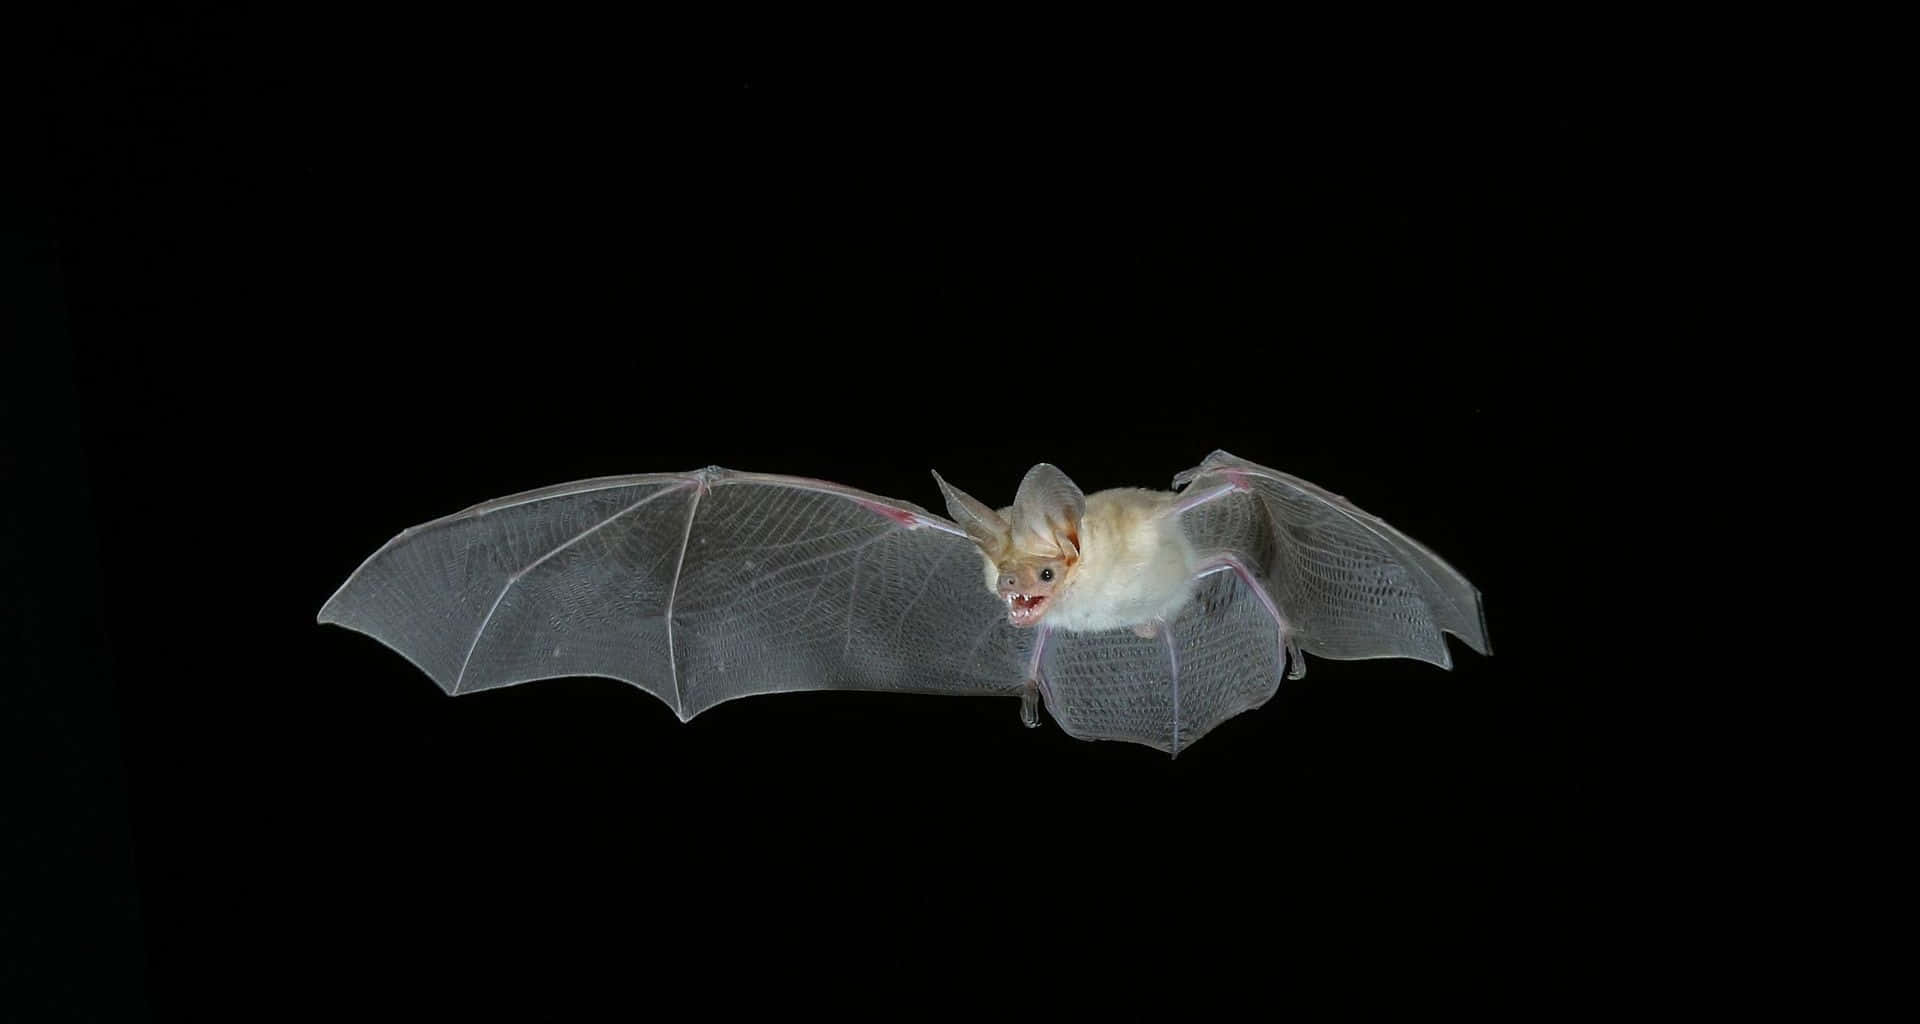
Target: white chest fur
[{"x": 1135, "y": 566}]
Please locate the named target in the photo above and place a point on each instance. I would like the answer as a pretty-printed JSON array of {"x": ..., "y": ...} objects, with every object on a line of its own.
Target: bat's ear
[
  {"x": 983, "y": 524},
  {"x": 1050, "y": 505}
]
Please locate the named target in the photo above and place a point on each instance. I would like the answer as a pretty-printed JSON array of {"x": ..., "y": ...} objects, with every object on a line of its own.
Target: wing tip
[
  {"x": 1482, "y": 640},
  {"x": 331, "y": 613}
]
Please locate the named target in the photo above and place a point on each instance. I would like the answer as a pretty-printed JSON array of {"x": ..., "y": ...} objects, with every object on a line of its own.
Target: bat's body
[
  {"x": 1149, "y": 616},
  {"x": 1135, "y": 569}
]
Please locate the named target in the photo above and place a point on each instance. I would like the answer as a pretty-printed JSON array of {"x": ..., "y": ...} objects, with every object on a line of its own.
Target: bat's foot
[
  {"x": 1296, "y": 665},
  {"x": 1146, "y": 630}
]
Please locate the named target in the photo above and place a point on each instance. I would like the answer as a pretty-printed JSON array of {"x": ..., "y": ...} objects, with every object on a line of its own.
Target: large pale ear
[
  {"x": 1050, "y": 505},
  {"x": 983, "y": 524}
]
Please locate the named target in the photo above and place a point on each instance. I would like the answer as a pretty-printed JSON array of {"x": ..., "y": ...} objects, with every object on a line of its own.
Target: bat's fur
[
  {"x": 1117, "y": 559},
  {"x": 1135, "y": 565}
]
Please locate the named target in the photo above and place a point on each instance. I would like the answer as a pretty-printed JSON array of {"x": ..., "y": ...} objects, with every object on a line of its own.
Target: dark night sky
[{"x": 293, "y": 290}]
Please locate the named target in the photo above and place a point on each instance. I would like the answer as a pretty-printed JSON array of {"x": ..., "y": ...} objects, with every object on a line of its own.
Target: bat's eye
[{"x": 1046, "y": 575}]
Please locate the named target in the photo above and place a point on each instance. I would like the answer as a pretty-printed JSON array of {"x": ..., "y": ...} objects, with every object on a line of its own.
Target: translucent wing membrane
[
  {"x": 1350, "y": 585},
  {"x": 697, "y": 588},
  {"x": 1221, "y": 656}
]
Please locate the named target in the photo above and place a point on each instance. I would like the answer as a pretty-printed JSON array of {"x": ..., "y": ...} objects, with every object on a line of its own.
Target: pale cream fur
[{"x": 1135, "y": 564}]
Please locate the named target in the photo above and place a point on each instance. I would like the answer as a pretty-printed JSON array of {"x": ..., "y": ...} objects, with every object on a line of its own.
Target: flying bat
[{"x": 1129, "y": 614}]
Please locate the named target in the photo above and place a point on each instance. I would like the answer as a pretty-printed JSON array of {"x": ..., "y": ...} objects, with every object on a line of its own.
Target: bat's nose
[{"x": 1009, "y": 582}]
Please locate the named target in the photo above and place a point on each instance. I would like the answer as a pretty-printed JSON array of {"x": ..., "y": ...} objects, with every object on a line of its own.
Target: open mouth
[{"x": 1025, "y": 610}]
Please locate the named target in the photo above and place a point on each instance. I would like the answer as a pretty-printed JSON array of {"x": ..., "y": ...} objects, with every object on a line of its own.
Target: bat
[{"x": 1129, "y": 614}]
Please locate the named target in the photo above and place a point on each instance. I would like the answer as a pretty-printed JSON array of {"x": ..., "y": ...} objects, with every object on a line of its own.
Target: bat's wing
[
  {"x": 1331, "y": 580},
  {"x": 696, "y": 587},
  {"x": 1349, "y": 585}
]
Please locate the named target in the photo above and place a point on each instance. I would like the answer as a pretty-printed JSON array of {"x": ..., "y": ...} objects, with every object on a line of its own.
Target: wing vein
[
  {"x": 1399, "y": 543},
  {"x": 673, "y": 593},
  {"x": 799, "y": 483},
  {"x": 921, "y": 591},
  {"x": 853, "y": 600},
  {"x": 1173, "y": 665},
  {"x": 530, "y": 566}
]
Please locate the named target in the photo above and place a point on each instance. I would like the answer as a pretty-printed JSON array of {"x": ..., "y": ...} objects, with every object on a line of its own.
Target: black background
[{"x": 294, "y": 287}]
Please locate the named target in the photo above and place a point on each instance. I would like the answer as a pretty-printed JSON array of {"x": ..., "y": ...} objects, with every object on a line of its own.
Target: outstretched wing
[
  {"x": 696, "y": 587},
  {"x": 1349, "y": 585}
]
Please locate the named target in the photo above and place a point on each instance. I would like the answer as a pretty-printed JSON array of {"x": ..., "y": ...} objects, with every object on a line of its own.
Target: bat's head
[{"x": 1033, "y": 548}]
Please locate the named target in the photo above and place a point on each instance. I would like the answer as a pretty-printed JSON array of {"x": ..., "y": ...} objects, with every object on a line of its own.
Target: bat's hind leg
[
  {"x": 1289, "y": 650},
  {"x": 1036, "y": 686},
  {"x": 1030, "y": 705}
]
